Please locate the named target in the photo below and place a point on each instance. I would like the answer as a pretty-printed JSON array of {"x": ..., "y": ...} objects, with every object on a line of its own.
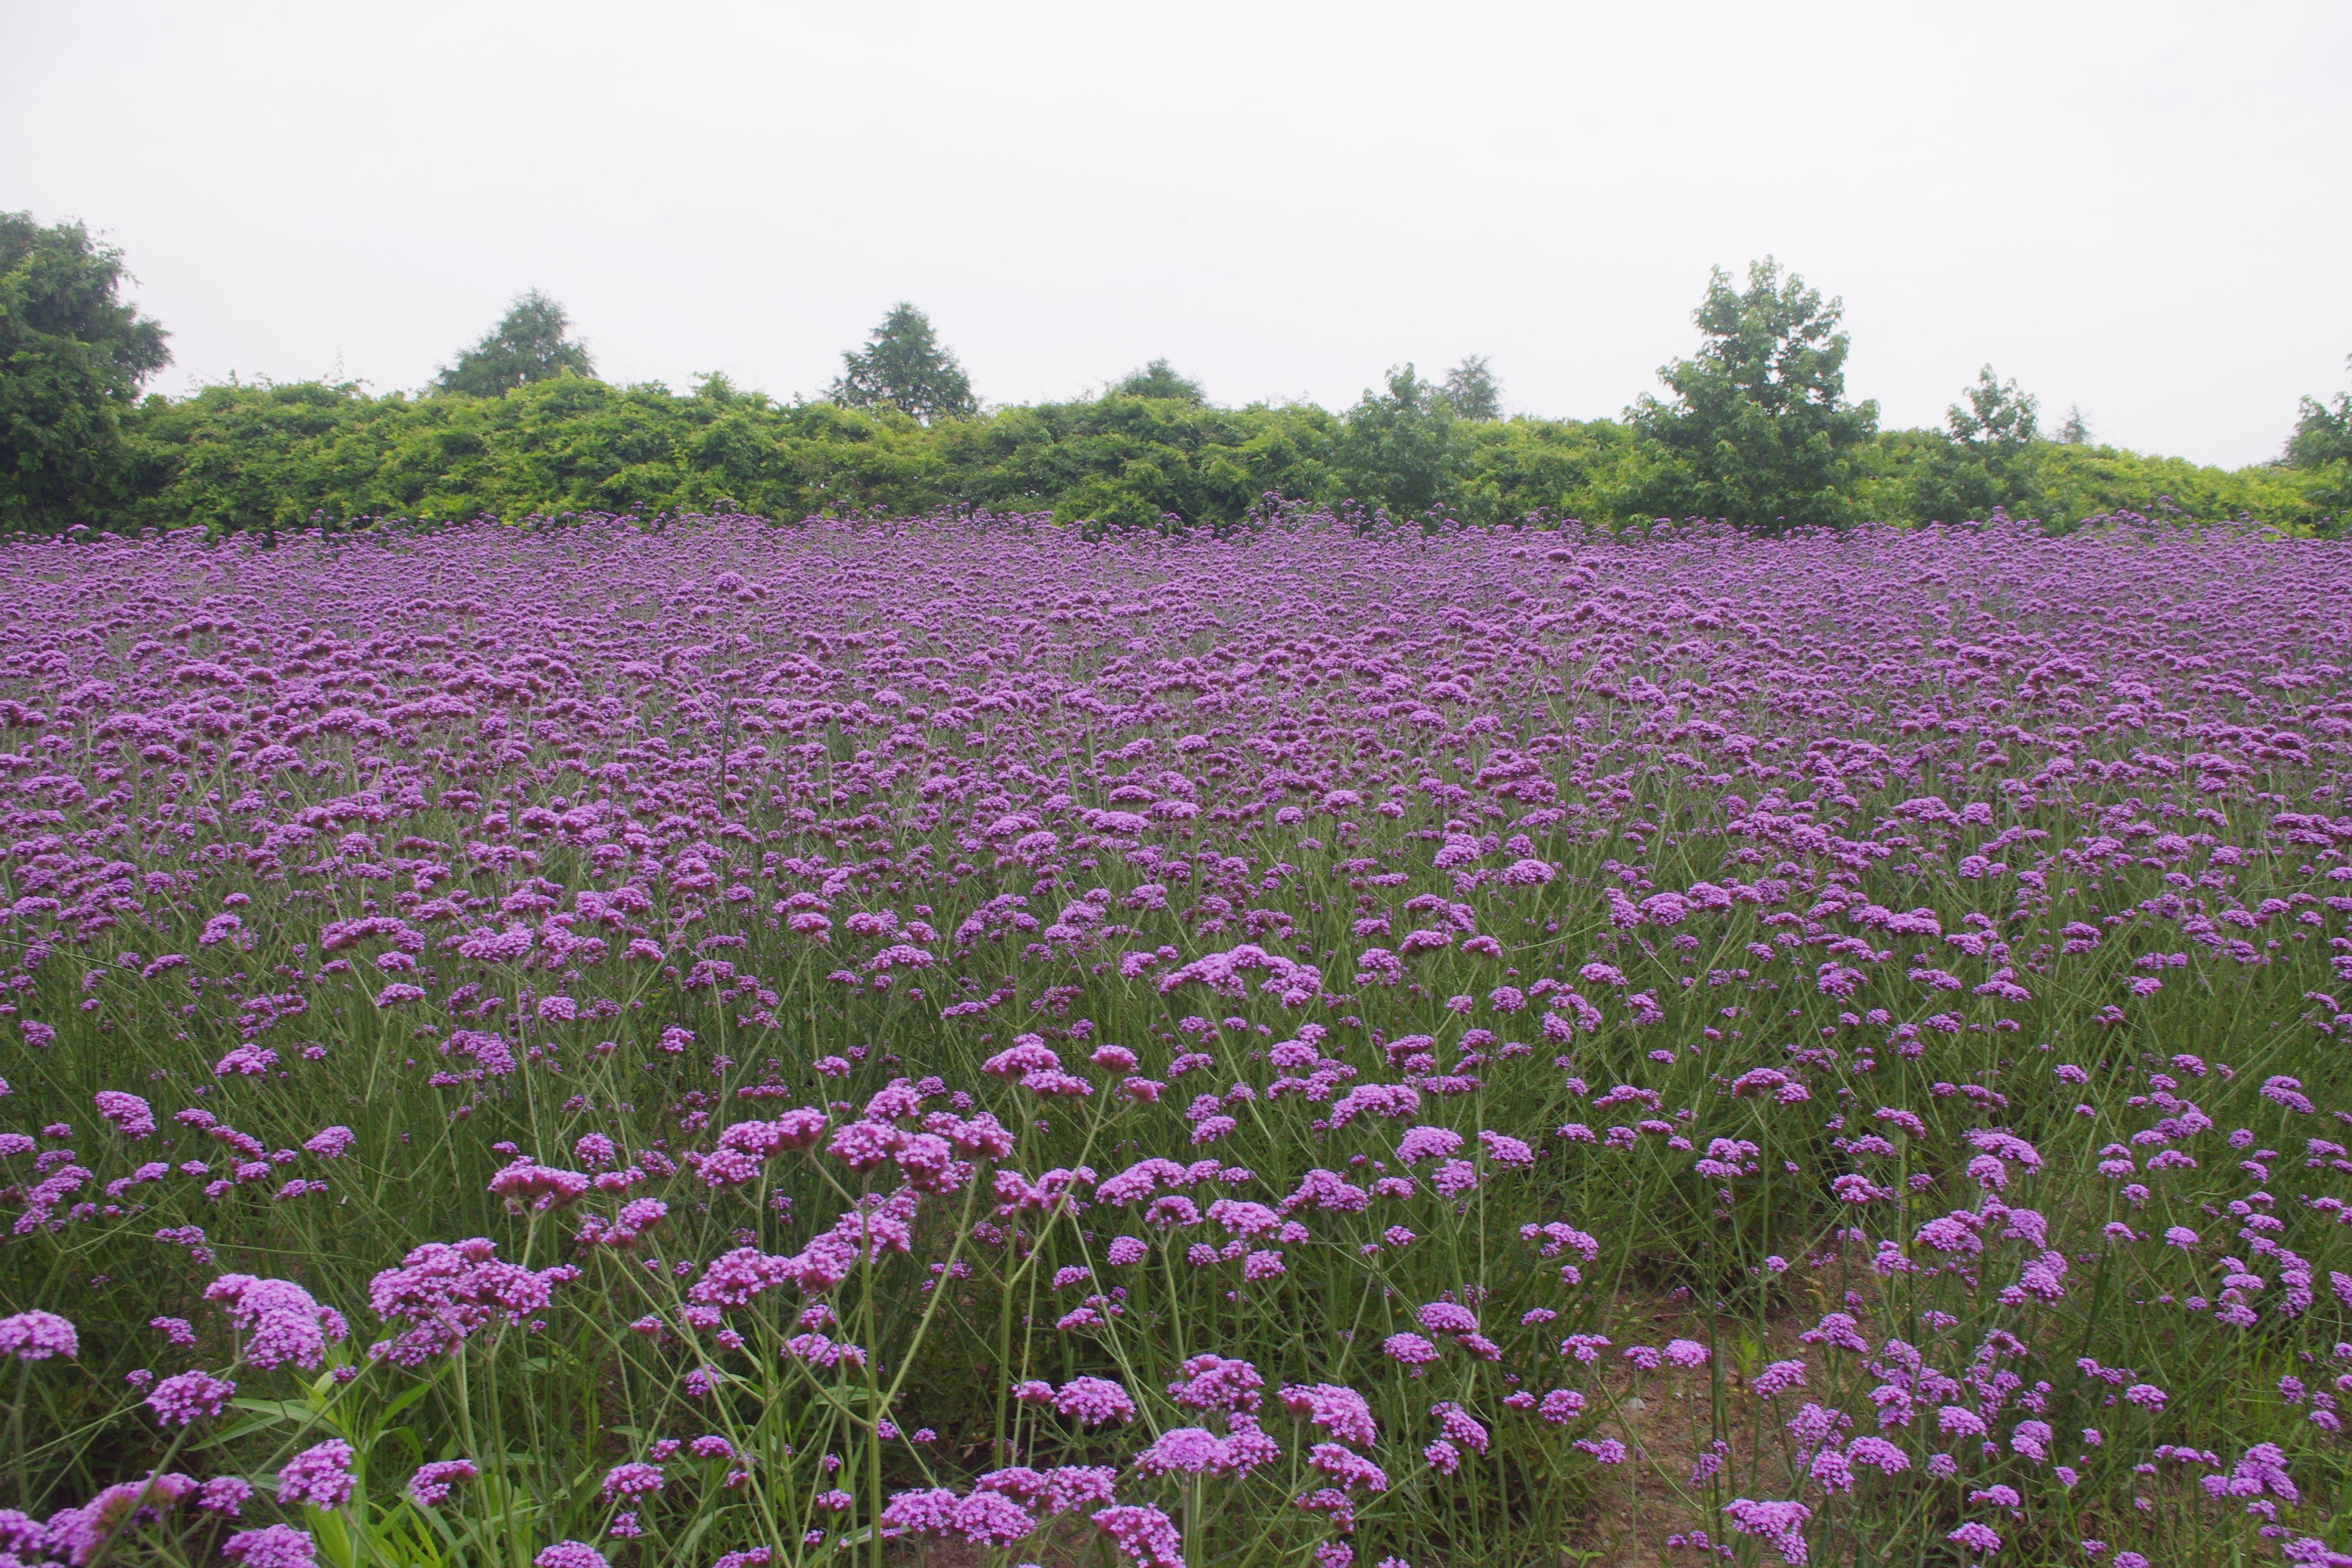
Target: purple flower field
[{"x": 936, "y": 1042}]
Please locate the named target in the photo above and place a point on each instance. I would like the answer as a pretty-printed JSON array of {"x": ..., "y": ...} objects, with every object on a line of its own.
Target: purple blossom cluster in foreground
[{"x": 753, "y": 1046}]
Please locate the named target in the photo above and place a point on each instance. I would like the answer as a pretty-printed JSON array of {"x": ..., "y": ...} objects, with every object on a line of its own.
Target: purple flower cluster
[
  {"x": 320, "y": 1476},
  {"x": 38, "y": 1335}
]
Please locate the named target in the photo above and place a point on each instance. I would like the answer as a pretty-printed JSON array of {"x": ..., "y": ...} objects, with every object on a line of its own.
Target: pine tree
[
  {"x": 532, "y": 342},
  {"x": 903, "y": 366}
]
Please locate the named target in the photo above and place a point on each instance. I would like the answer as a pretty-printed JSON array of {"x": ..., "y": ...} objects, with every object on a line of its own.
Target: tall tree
[
  {"x": 2322, "y": 442},
  {"x": 904, "y": 367},
  {"x": 1760, "y": 430},
  {"x": 1158, "y": 379},
  {"x": 1985, "y": 460},
  {"x": 532, "y": 342},
  {"x": 73, "y": 355},
  {"x": 1472, "y": 389},
  {"x": 1997, "y": 415},
  {"x": 2322, "y": 435},
  {"x": 1404, "y": 451}
]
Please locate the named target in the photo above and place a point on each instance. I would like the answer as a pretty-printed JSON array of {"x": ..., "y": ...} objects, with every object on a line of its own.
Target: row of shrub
[{"x": 239, "y": 455}]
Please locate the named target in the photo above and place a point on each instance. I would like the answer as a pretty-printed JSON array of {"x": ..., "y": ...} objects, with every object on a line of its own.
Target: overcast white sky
[{"x": 2140, "y": 208}]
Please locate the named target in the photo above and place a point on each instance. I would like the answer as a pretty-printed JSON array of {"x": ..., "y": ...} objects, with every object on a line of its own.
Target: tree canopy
[
  {"x": 1985, "y": 460},
  {"x": 904, "y": 367},
  {"x": 73, "y": 355},
  {"x": 2322, "y": 435},
  {"x": 2322, "y": 446},
  {"x": 1760, "y": 431},
  {"x": 1158, "y": 379},
  {"x": 532, "y": 342},
  {"x": 1997, "y": 413},
  {"x": 1403, "y": 449},
  {"x": 1473, "y": 391}
]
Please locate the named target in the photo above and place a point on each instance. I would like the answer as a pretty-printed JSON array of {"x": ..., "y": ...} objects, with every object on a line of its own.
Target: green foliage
[
  {"x": 2322, "y": 435},
  {"x": 71, "y": 357},
  {"x": 2082, "y": 481},
  {"x": 1759, "y": 428},
  {"x": 1158, "y": 379},
  {"x": 903, "y": 366},
  {"x": 238, "y": 456},
  {"x": 1984, "y": 460},
  {"x": 1998, "y": 415},
  {"x": 532, "y": 342},
  {"x": 1472, "y": 389},
  {"x": 2322, "y": 448},
  {"x": 1125, "y": 461},
  {"x": 1558, "y": 467},
  {"x": 1405, "y": 450},
  {"x": 253, "y": 456}
]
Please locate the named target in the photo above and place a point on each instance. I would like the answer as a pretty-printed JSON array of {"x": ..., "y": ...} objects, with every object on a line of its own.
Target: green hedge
[{"x": 247, "y": 455}]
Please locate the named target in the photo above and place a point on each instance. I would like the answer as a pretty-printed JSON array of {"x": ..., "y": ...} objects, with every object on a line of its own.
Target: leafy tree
[
  {"x": 1158, "y": 379},
  {"x": 2072, "y": 430},
  {"x": 1472, "y": 389},
  {"x": 903, "y": 366},
  {"x": 1404, "y": 451},
  {"x": 1760, "y": 430},
  {"x": 1985, "y": 460},
  {"x": 532, "y": 342},
  {"x": 71, "y": 357},
  {"x": 2322, "y": 435},
  {"x": 1997, "y": 413},
  {"x": 2322, "y": 446}
]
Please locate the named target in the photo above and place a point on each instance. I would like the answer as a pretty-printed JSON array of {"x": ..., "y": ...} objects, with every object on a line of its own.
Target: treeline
[
  {"x": 234, "y": 456},
  {"x": 1756, "y": 428}
]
